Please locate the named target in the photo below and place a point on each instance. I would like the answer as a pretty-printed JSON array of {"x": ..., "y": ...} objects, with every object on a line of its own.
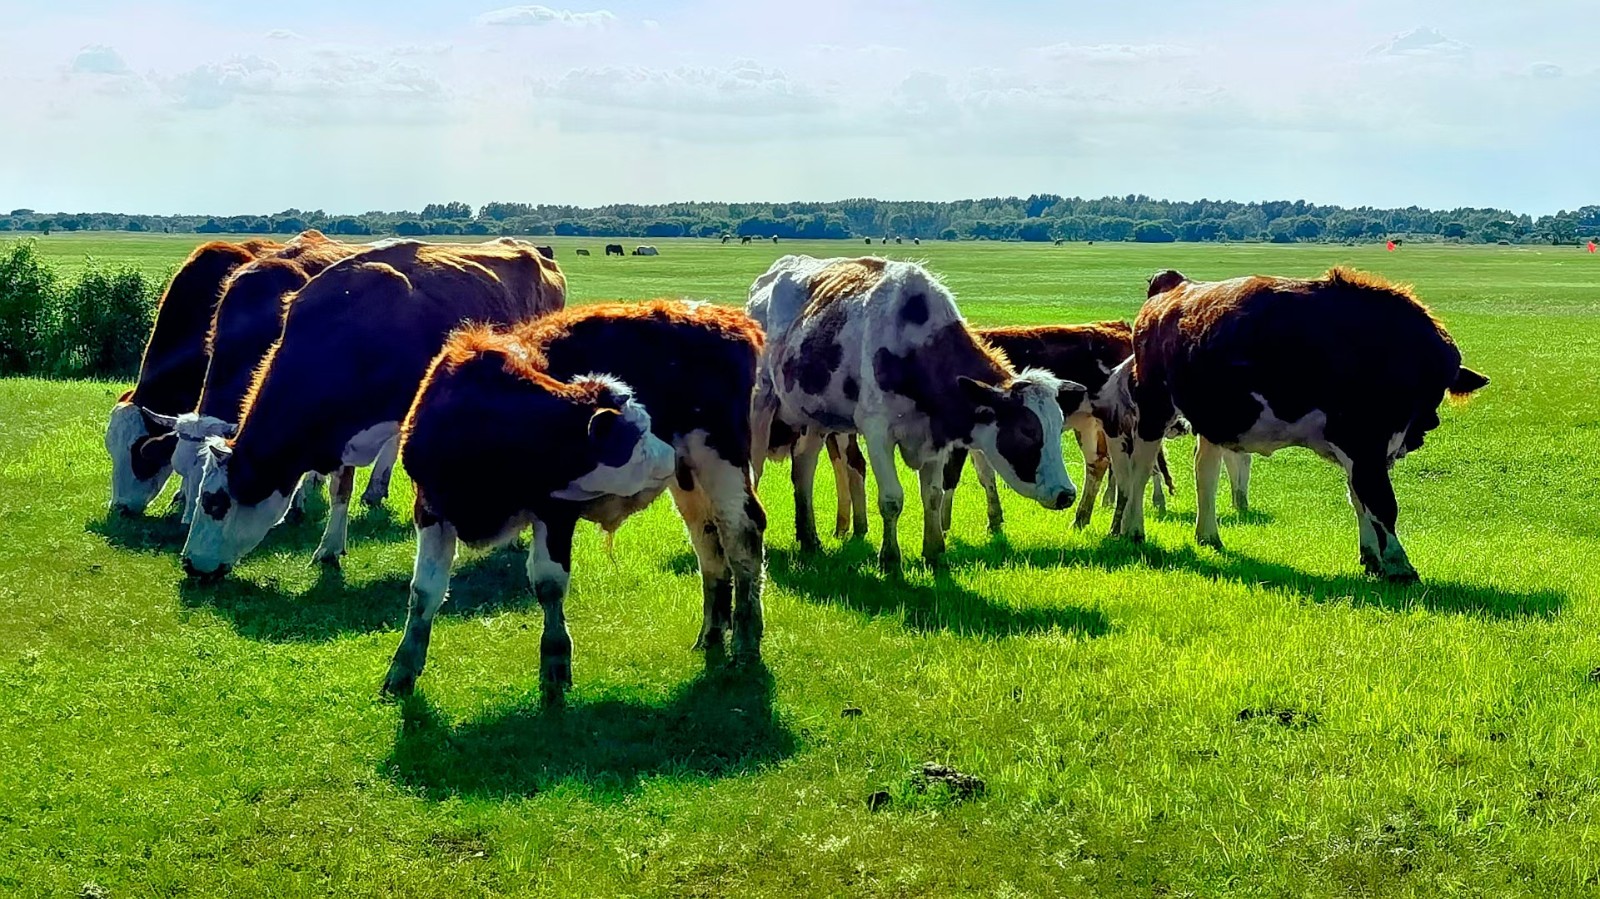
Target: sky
[{"x": 203, "y": 107}]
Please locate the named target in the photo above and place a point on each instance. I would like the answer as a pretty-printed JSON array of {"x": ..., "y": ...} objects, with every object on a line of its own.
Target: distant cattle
[
  {"x": 170, "y": 374},
  {"x": 867, "y": 241},
  {"x": 1348, "y": 365},
  {"x": 878, "y": 348},
  {"x": 615, "y": 249},
  {"x": 917, "y": 241},
  {"x": 1059, "y": 242},
  {"x": 247, "y": 322},
  {"x": 547, "y": 252},
  {"x": 899, "y": 240},
  {"x": 725, "y": 238},
  {"x": 774, "y": 238},
  {"x": 744, "y": 239},
  {"x": 581, "y": 251},
  {"x": 331, "y": 394},
  {"x": 645, "y": 251},
  {"x": 542, "y": 426}
]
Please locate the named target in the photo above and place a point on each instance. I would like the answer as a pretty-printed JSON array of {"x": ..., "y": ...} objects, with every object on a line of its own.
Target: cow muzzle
[
  {"x": 1064, "y": 500},
  {"x": 206, "y": 577}
]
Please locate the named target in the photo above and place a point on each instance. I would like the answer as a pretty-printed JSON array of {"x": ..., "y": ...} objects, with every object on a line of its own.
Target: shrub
[
  {"x": 101, "y": 323},
  {"x": 27, "y": 297}
]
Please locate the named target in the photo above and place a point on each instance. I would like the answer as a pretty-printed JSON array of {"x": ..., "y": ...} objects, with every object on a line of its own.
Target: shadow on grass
[
  {"x": 332, "y": 608},
  {"x": 166, "y": 533},
  {"x": 849, "y": 577},
  {"x": 719, "y": 724},
  {"x": 1115, "y": 554}
]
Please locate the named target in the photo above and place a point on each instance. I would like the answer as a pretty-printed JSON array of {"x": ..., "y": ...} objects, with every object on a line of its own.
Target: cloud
[
  {"x": 215, "y": 85},
  {"x": 98, "y": 59},
  {"x": 1546, "y": 71},
  {"x": 283, "y": 34},
  {"x": 1422, "y": 43},
  {"x": 544, "y": 15},
  {"x": 1110, "y": 54},
  {"x": 745, "y": 89},
  {"x": 326, "y": 86}
]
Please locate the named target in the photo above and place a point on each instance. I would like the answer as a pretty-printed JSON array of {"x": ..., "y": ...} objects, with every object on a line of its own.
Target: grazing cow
[
  {"x": 774, "y": 238},
  {"x": 170, "y": 374},
  {"x": 547, "y": 252},
  {"x": 581, "y": 251},
  {"x": 614, "y": 249},
  {"x": 867, "y": 241},
  {"x": 332, "y": 392},
  {"x": 491, "y": 452},
  {"x": 1347, "y": 365},
  {"x": 643, "y": 250},
  {"x": 899, "y": 240},
  {"x": 916, "y": 241},
  {"x": 1060, "y": 242},
  {"x": 246, "y": 323},
  {"x": 878, "y": 348},
  {"x": 744, "y": 239}
]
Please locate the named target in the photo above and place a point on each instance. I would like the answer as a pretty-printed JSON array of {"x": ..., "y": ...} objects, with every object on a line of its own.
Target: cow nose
[
  {"x": 1065, "y": 499},
  {"x": 204, "y": 577}
]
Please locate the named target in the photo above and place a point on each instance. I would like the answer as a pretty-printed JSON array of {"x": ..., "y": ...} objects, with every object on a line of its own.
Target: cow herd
[{"x": 273, "y": 368}]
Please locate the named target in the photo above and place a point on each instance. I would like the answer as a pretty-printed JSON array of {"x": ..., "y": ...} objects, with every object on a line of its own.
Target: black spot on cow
[
  {"x": 216, "y": 503},
  {"x": 915, "y": 309},
  {"x": 820, "y": 352},
  {"x": 852, "y": 390},
  {"x": 1020, "y": 439}
]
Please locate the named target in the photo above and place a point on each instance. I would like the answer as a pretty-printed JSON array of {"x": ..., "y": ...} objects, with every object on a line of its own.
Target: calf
[
  {"x": 139, "y": 436},
  {"x": 485, "y": 468},
  {"x": 878, "y": 348},
  {"x": 246, "y": 323},
  {"x": 614, "y": 249},
  {"x": 1347, "y": 365},
  {"x": 581, "y": 251},
  {"x": 331, "y": 393}
]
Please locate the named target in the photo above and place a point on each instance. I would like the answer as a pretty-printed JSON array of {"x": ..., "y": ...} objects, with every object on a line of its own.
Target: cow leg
[
  {"x": 856, "y": 471},
  {"x": 1096, "y": 462},
  {"x": 953, "y": 464},
  {"x": 891, "y": 498},
  {"x": 763, "y": 411},
  {"x": 841, "y": 485},
  {"x": 430, "y": 580},
  {"x": 550, "y": 571},
  {"x": 334, "y": 535},
  {"x": 991, "y": 493},
  {"x": 741, "y": 525},
  {"x": 1239, "y": 479},
  {"x": 716, "y": 582},
  {"x": 931, "y": 476},
  {"x": 382, "y": 470},
  {"x": 1372, "y": 497},
  {"x": 803, "y": 476},
  {"x": 1161, "y": 482},
  {"x": 310, "y": 484},
  {"x": 1207, "y": 470},
  {"x": 1141, "y": 465}
]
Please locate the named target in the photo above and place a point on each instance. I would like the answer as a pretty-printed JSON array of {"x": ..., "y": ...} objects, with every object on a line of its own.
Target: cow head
[
  {"x": 629, "y": 459},
  {"x": 140, "y": 444},
  {"x": 193, "y": 429},
  {"x": 1163, "y": 281},
  {"x": 1019, "y": 430},
  {"x": 224, "y": 529}
]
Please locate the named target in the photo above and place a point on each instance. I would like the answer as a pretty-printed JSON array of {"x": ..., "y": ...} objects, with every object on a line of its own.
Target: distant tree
[
  {"x": 211, "y": 226},
  {"x": 18, "y": 213},
  {"x": 444, "y": 227},
  {"x": 290, "y": 225},
  {"x": 1116, "y": 228},
  {"x": 663, "y": 229},
  {"x": 479, "y": 228},
  {"x": 348, "y": 226},
  {"x": 1305, "y": 227},
  {"x": 453, "y": 211},
  {"x": 1455, "y": 230},
  {"x": 410, "y": 229},
  {"x": 1035, "y": 230},
  {"x": 1154, "y": 232}
]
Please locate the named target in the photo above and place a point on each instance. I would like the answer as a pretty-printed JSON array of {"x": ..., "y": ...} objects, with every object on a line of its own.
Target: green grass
[{"x": 161, "y": 739}]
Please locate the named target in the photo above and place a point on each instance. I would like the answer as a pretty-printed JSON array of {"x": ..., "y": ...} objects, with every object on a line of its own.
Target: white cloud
[
  {"x": 1546, "y": 70},
  {"x": 1114, "y": 53},
  {"x": 745, "y": 89},
  {"x": 1422, "y": 43},
  {"x": 282, "y": 34},
  {"x": 98, "y": 59},
  {"x": 544, "y": 15}
]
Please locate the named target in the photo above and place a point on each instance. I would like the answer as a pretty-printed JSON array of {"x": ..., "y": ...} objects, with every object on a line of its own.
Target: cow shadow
[
  {"x": 848, "y": 577},
  {"x": 167, "y": 533},
  {"x": 1113, "y": 554},
  {"x": 332, "y": 607},
  {"x": 721, "y": 723}
]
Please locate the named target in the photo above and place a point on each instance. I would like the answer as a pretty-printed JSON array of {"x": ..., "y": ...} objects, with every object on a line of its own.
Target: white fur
[
  {"x": 214, "y": 543},
  {"x": 193, "y": 431},
  {"x": 541, "y": 568},
  {"x": 125, "y": 427},
  {"x": 649, "y": 467},
  {"x": 365, "y": 447}
]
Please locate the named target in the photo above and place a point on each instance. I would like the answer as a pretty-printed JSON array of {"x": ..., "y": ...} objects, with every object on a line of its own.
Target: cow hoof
[
  {"x": 709, "y": 641},
  {"x": 1214, "y": 542},
  {"x": 889, "y": 563},
  {"x": 810, "y": 545},
  {"x": 374, "y": 501},
  {"x": 399, "y": 682},
  {"x": 331, "y": 558},
  {"x": 1401, "y": 577},
  {"x": 842, "y": 532}
]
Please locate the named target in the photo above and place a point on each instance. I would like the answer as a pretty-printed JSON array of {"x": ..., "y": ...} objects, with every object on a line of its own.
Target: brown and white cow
[
  {"x": 1347, "y": 365},
  {"x": 879, "y": 348},
  {"x": 332, "y": 392},
  {"x": 247, "y": 322},
  {"x": 493, "y": 446},
  {"x": 138, "y": 439}
]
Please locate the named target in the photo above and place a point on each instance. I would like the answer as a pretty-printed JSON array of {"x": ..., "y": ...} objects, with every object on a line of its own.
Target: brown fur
[{"x": 852, "y": 277}]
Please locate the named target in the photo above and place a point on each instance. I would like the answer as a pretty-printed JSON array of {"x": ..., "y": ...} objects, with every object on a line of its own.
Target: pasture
[{"x": 1156, "y": 720}]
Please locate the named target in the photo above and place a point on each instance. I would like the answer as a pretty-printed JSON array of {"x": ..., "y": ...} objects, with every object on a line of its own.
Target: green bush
[{"x": 94, "y": 325}]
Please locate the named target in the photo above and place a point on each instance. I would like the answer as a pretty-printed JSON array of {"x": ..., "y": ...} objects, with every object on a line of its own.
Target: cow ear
[
  {"x": 602, "y": 423},
  {"x": 983, "y": 397},
  {"x": 157, "y": 422},
  {"x": 1071, "y": 395},
  {"x": 219, "y": 449},
  {"x": 1467, "y": 381}
]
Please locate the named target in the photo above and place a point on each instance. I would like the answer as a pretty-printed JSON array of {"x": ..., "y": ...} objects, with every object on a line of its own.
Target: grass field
[{"x": 1161, "y": 720}]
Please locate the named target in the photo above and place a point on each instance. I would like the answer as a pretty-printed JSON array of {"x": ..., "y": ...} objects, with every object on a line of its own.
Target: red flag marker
[
  {"x": 1593, "y": 247},
  {"x": 1390, "y": 245}
]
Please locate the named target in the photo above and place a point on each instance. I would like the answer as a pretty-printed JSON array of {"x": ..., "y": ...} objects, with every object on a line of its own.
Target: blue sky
[{"x": 230, "y": 107}]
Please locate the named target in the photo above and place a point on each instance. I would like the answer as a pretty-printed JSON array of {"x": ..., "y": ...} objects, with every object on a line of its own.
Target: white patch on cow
[
  {"x": 649, "y": 466},
  {"x": 217, "y": 543},
  {"x": 1270, "y": 433},
  {"x": 1051, "y": 486},
  {"x": 123, "y": 430},
  {"x": 193, "y": 431},
  {"x": 364, "y": 448},
  {"x": 541, "y": 568}
]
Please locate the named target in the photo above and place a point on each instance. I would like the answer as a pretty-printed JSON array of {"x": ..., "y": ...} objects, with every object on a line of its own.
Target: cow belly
[{"x": 1269, "y": 433}]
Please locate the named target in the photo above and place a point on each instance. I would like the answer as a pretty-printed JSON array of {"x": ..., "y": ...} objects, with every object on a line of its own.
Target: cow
[
  {"x": 547, "y": 252},
  {"x": 774, "y": 238},
  {"x": 1348, "y": 365},
  {"x": 744, "y": 239},
  {"x": 643, "y": 250},
  {"x": 486, "y": 463},
  {"x": 899, "y": 240},
  {"x": 139, "y": 437},
  {"x": 244, "y": 326},
  {"x": 867, "y": 241},
  {"x": 333, "y": 390},
  {"x": 916, "y": 241},
  {"x": 581, "y": 251},
  {"x": 614, "y": 249},
  {"x": 879, "y": 348}
]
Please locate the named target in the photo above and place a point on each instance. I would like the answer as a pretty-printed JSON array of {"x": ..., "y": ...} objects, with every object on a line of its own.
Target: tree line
[{"x": 1041, "y": 217}]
